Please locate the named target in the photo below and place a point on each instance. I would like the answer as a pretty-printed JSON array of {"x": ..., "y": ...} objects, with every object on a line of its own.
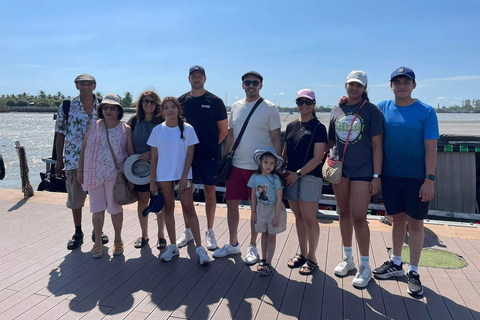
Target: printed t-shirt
[
  {"x": 203, "y": 113},
  {"x": 358, "y": 160},
  {"x": 265, "y": 188},
  {"x": 297, "y": 138},
  {"x": 406, "y": 129},
  {"x": 172, "y": 150},
  {"x": 257, "y": 134}
]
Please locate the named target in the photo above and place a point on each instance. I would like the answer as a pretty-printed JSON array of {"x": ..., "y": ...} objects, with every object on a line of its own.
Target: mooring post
[{"x": 22, "y": 157}]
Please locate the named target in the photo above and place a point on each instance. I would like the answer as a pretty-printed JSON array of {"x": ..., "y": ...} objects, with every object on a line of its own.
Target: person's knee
[
  {"x": 359, "y": 220},
  {"x": 399, "y": 218},
  {"x": 415, "y": 225}
]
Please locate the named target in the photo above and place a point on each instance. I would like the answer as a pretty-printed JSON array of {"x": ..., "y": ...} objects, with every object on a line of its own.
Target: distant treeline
[{"x": 467, "y": 106}]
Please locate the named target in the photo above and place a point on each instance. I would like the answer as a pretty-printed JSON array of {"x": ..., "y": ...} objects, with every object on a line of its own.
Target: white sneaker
[
  {"x": 252, "y": 255},
  {"x": 170, "y": 252},
  {"x": 210, "y": 240},
  {"x": 185, "y": 238},
  {"x": 226, "y": 250},
  {"x": 344, "y": 267},
  {"x": 202, "y": 255},
  {"x": 363, "y": 277}
]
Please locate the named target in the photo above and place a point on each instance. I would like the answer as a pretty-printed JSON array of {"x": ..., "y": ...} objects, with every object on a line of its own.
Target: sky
[{"x": 139, "y": 45}]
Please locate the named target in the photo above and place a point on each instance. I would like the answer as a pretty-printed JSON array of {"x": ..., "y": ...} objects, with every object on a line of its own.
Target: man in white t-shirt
[{"x": 263, "y": 130}]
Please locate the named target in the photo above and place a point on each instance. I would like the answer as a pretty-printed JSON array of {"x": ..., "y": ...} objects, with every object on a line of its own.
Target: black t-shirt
[
  {"x": 297, "y": 138},
  {"x": 203, "y": 113}
]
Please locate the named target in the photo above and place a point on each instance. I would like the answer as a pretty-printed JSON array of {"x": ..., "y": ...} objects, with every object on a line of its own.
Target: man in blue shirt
[{"x": 410, "y": 151}]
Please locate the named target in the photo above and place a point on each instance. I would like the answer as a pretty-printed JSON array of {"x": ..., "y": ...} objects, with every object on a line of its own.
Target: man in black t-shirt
[{"x": 207, "y": 114}]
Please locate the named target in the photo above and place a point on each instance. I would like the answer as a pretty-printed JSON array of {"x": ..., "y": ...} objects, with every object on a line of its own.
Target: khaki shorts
[
  {"x": 76, "y": 195},
  {"x": 265, "y": 215}
]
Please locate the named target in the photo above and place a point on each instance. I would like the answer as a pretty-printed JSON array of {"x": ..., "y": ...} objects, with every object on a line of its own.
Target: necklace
[
  {"x": 353, "y": 108},
  {"x": 302, "y": 127}
]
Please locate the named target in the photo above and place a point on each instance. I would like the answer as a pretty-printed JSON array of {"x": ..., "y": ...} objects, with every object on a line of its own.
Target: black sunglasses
[
  {"x": 300, "y": 102},
  {"x": 249, "y": 82},
  {"x": 147, "y": 101}
]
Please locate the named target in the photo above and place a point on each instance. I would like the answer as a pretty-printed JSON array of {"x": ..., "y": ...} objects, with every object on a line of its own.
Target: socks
[
  {"x": 347, "y": 251},
  {"x": 78, "y": 229},
  {"x": 188, "y": 230},
  {"x": 397, "y": 260},
  {"x": 365, "y": 261},
  {"x": 413, "y": 268}
]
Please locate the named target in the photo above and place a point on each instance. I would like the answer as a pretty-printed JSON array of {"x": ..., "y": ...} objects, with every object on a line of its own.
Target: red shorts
[{"x": 237, "y": 188}]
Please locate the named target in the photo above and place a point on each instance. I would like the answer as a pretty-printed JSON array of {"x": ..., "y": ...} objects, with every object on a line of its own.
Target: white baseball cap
[{"x": 357, "y": 76}]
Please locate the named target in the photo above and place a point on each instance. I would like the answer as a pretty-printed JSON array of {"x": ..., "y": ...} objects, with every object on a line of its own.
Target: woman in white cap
[
  {"x": 148, "y": 115},
  {"x": 106, "y": 146},
  {"x": 305, "y": 141},
  {"x": 356, "y": 137}
]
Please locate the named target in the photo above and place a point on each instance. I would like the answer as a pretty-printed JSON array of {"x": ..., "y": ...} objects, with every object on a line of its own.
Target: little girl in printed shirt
[{"x": 268, "y": 212}]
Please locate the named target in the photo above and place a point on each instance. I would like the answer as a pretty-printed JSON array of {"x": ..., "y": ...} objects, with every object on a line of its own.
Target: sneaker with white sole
[
  {"x": 345, "y": 266},
  {"x": 170, "y": 252},
  {"x": 226, "y": 250},
  {"x": 184, "y": 238},
  {"x": 388, "y": 269},
  {"x": 202, "y": 255},
  {"x": 362, "y": 277},
  {"x": 252, "y": 254},
  {"x": 414, "y": 283},
  {"x": 210, "y": 240}
]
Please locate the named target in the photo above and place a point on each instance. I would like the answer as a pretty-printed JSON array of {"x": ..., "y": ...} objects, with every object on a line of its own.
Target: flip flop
[
  {"x": 140, "y": 242},
  {"x": 161, "y": 244}
]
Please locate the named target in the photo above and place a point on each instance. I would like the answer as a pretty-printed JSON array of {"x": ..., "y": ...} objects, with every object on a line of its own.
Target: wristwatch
[
  {"x": 377, "y": 175},
  {"x": 299, "y": 174},
  {"x": 430, "y": 177}
]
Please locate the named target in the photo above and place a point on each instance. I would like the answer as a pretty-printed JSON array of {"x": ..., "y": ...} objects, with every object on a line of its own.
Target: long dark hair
[
  {"x": 181, "y": 119},
  {"x": 365, "y": 94},
  {"x": 157, "y": 113}
]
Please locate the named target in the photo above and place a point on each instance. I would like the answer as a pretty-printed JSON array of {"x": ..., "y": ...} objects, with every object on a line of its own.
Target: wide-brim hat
[
  {"x": 269, "y": 150},
  {"x": 155, "y": 205},
  {"x": 111, "y": 98},
  {"x": 136, "y": 170}
]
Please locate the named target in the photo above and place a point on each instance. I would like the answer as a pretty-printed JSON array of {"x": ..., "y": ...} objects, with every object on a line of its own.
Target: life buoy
[{"x": 2, "y": 168}]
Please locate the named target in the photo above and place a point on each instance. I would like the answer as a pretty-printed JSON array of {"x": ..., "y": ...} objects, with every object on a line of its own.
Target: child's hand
[{"x": 275, "y": 221}]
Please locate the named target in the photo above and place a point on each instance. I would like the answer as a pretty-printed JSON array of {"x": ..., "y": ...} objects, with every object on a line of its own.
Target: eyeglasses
[
  {"x": 249, "y": 82},
  {"x": 147, "y": 101},
  {"x": 301, "y": 102},
  {"x": 112, "y": 107}
]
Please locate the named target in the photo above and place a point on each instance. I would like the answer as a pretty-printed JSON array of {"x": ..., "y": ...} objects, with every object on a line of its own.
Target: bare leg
[
  {"x": 359, "y": 200},
  {"x": 272, "y": 241},
  {"x": 169, "y": 208},
  {"x": 186, "y": 199},
  {"x": 117, "y": 221},
  {"x": 300, "y": 226},
  {"x": 210, "y": 204},
  {"x": 342, "y": 195},
  {"x": 398, "y": 232},
  {"x": 416, "y": 235},
  {"x": 265, "y": 246},
  {"x": 161, "y": 224},
  {"x": 233, "y": 217},
  {"x": 309, "y": 211},
  {"x": 98, "y": 219},
  {"x": 253, "y": 234},
  {"x": 77, "y": 217},
  {"x": 143, "y": 198}
]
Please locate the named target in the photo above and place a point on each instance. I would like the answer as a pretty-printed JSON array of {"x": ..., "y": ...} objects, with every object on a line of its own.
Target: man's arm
[
  {"x": 222, "y": 126},
  {"x": 276, "y": 140},
  {"x": 230, "y": 142},
  {"x": 426, "y": 190}
]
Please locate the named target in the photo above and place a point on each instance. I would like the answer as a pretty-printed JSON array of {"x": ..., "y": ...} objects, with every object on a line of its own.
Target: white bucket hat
[
  {"x": 260, "y": 152},
  {"x": 136, "y": 170}
]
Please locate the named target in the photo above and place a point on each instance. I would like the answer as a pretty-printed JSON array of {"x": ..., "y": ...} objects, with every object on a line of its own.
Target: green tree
[
  {"x": 98, "y": 94},
  {"x": 10, "y": 103},
  {"x": 42, "y": 94},
  {"x": 21, "y": 103},
  {"x": 127, "y": 100}
]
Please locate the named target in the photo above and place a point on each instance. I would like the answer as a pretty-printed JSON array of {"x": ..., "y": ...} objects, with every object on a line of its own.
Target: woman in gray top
[
  {"x": 147, "y": 116},
  {"x": 359, "y": 125}
]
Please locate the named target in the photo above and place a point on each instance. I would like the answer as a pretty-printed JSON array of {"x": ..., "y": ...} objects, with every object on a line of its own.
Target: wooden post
[{"x": 22, "y": 157}]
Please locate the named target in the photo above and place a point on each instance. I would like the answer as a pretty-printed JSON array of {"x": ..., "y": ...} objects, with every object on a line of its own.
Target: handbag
[
  {"x": 332, "y": 169},
  {"x": 223, "y": 171},
  {"x": 121, "y": 190}
]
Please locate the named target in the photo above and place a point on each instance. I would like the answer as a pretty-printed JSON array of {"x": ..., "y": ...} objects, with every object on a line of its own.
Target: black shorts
[
  {"x": 142, "y": 187},
  {"x": 401, "y": 195},
  {"x": 205, "y": 170}
]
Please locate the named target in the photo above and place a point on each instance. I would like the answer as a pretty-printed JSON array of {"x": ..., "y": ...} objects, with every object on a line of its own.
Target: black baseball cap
[
  {"x": 253, "y": 73},
  {"x": 197, "y": 68}
]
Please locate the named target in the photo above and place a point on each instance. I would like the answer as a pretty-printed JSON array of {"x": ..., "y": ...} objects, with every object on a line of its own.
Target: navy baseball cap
[
  {"x": 403, "y": 71},
  {"x": 196, "y": 68}
]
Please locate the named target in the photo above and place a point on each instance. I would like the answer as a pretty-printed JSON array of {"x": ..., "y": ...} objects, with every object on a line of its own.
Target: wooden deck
[{"x": 40, "y": 279}]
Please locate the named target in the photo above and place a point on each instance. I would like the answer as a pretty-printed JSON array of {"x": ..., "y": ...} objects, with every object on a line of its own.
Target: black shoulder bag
[{"x": 223, "y": 171}]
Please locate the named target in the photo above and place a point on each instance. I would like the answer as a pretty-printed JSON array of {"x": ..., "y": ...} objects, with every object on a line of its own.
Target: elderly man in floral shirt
[{"x": 70, "y": 129}]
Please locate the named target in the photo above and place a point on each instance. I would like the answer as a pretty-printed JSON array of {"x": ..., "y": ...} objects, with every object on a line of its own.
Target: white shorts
[{"x": 265, "y": 215}]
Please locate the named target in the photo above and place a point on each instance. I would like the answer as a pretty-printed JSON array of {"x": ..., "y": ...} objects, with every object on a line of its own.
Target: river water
[{"x": 35, "y": 132}]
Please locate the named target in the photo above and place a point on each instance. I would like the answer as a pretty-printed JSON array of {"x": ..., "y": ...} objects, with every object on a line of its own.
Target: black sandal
[
  {"x": 266, "y": 269},
  {"x": 140, "y": 242},
  {"x": 75, "y": 242},
  {"x": 261, "y": 263},
  {"x": 297, "y": 261},
  {"x": 308, "y": 268},
  {"x": 161, "y": 244},
  {"x": 104, "y": 238}
]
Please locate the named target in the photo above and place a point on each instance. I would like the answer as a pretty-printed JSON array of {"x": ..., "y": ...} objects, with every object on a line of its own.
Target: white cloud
[
  {"x": 281, "y": 93},
  {"x": 455, "y": 79}
]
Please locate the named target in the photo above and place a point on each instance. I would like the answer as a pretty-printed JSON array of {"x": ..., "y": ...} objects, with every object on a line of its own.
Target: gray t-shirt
[
  {"x": 358, "y": 160},
  {"x": 141, "y": 133}
]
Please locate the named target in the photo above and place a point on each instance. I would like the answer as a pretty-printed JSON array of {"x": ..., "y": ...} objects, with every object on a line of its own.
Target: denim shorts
[{"x": 307, "y": 188}]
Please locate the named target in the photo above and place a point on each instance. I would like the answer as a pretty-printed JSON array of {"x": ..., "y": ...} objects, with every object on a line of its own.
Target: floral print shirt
[{"x": 74, "y": 129}]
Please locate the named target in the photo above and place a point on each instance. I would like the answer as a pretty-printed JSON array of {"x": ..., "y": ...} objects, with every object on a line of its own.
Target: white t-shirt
[
  {"x": 257, "y": 134},
  {"x": 172, "y": 151}
]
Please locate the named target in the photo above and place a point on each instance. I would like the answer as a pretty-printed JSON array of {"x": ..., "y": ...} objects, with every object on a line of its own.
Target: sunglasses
[
  {"x": 301, "y": 102},
  {"x": 105, "y": 107},
  {"x": 147, "y": 101},
  {"x": 255, "y": 83}
]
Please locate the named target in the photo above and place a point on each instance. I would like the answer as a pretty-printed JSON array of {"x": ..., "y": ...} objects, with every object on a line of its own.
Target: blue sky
[{"x": 134, "y": 46}]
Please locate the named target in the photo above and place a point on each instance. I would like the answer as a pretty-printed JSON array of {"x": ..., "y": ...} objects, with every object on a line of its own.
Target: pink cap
[{"x": 306, "y": 93}]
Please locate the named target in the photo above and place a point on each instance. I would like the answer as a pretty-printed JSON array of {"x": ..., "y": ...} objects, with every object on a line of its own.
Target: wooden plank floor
[{"x": 40, "y": 279}]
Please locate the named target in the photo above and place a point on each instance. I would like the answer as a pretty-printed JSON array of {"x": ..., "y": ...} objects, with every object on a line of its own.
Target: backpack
[{"x": 66, "y": 106}]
